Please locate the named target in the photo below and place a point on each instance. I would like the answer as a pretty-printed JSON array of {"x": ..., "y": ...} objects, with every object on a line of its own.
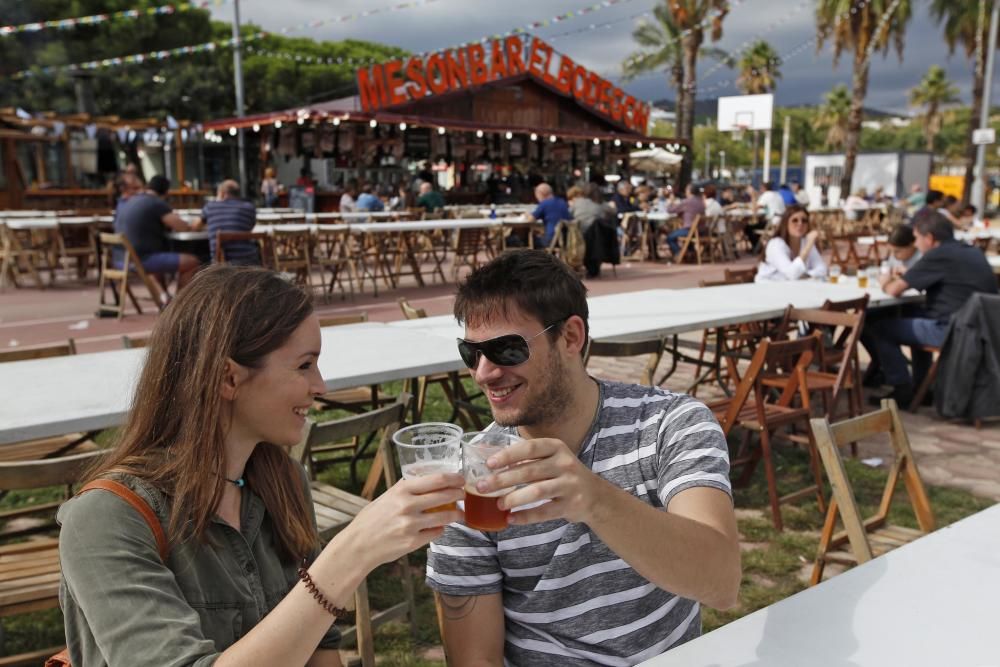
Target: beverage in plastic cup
[
  {"x": 862, "y": 280},
  {"x": 835, "y": 274},
  {"x": 429, "y": 449},
  {"x": 481, "y": 511}
]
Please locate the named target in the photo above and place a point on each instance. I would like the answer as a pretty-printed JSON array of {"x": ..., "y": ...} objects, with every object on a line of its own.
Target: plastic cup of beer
[
  {"x": 481, "y": 511},
  {"x": 862, "y": 279},
  {"x": 835, "y": 273},
  {"x": 429, "y": 449}
]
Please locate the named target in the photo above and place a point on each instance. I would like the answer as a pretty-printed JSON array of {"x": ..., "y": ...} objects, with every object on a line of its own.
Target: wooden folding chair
[
  {"x": 772, "y": 409},
  {"x": 865, "y": 539},
  {"x": 262, "y": 240},
  {"x": 131, "y": 267},
  {"x": 741, "y": 275},
  {"x": 332, "y": 256},
  {"x": 710, "y": 241},
  {"x": 352, "y": 399},
  {"x": 38, "y": 351},
  {"x": 410, "y": 312},
  {"x": 336, "y": 508},
  {"x": 652, "y": 347},
  {"x": 15, "y": 258},
  {"x": 634, "y": 240},
  {"x": 292, "y": 252},
  {"x": 77, "y": 242},
  {"x": 469, "y": 241},
  {"x": 693, "y": 237},
  {"x": 29, "y": 569},
  {"x": 131, "y": 342}
]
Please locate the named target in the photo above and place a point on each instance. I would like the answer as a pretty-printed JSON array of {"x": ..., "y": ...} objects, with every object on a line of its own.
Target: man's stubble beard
[{"x": 547, "y": 404}]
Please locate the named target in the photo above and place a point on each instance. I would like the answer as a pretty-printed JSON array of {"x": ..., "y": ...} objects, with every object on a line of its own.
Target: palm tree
[
  {"x": 861, "y": 27},
  {"x": 966, "y": 23},
  {"x": 661, "y": 45},
  {"x": 834, "y": 115},
  {"x": 933, "y": 92},
  {"x": 759, "y": 69}
]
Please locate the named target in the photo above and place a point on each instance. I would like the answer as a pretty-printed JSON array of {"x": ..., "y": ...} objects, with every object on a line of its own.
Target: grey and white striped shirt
[{"x": 568, "y": 598}]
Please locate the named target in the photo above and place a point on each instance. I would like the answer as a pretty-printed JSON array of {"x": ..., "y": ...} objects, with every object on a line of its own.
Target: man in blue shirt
[
  {"x": 550, "y": 210},
  {"x": 367, "y": 201},
  {"x": 230, "y": 213}
]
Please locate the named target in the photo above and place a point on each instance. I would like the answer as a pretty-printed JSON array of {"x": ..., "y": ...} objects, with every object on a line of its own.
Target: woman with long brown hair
[
  {"x": 792, "y": 253},
  {"x": 229, "y": 375}
]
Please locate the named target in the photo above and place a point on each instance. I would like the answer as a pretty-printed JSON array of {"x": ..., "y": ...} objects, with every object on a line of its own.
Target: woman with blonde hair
[
  {"x": 229, "y": 374},
  {"x": 269, "y": 188},
  {"x": 792, "y": 253}
]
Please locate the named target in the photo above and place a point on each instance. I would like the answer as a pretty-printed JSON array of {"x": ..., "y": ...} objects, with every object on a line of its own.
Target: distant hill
[{"x": 709, "y": 109}]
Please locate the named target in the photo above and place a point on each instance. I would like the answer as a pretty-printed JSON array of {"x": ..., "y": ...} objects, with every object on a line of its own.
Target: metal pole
[
  {"x": 238, "y": 75},
  {"x": 767, "y": 156},
  {"x": 722, "y": 163},
  {"x": 784, "y": 148},
  {"x": 979, "y": 184},
  {"x": 708, "y": 160}
]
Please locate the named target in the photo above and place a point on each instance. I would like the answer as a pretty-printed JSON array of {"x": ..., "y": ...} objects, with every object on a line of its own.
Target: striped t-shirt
[
  {"x": 232, "y": 215},
  {"x": 568, "y": 598}
]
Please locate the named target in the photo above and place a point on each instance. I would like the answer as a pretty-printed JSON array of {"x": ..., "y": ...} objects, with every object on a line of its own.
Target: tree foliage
[
  {"x": 833, "y": 116},
  {"x": 933, "y": 92},
  {"x": 759, "y": 69},
  {"x": 195, "y": 86}
]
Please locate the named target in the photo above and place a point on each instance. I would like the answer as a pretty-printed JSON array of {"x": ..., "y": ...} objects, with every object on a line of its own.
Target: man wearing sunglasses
[{"x": 623, "y": 521}]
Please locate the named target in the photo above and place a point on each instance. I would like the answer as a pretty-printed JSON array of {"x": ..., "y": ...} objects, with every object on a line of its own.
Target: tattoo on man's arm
[{"x": 456, "y": 607}]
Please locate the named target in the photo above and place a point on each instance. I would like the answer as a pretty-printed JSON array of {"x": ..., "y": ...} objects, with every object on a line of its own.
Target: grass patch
[{"x": 771, "y": 570}]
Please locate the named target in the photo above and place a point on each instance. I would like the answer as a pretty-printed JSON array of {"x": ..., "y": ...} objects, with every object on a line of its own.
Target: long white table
[
  {"x": 47, "y": 397},
  {"x": 930, "y": 603},
  {"x": 371, "y": 227},
  {"x": 664, "y": 312}
]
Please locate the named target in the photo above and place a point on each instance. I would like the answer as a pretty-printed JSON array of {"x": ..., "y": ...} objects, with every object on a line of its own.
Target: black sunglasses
[{"x": 508, "y": 350}]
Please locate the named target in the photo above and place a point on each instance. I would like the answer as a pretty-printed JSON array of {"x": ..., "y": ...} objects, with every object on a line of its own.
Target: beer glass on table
[
  {"x": 429, "y": 449},
  {"x": 835, "y": 273},
  {"x": 481, "y": 511}
]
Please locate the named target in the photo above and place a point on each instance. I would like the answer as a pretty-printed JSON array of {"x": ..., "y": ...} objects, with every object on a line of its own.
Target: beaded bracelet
[{"x": 336, "y": 612}]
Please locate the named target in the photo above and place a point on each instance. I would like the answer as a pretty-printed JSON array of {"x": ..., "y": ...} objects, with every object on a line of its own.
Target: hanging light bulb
[
  {"x": 302, "y": 120},
  {"x": 402, "y": 126},
  {"x": 336, "y": 121},
  {"x": 534, "y": 137},
  {"x": 277, "y": 124},
  {"x": 256, "y": 127},
  {"x": 441, "y": 130},
  {"x": 597, "y": 142},
  {"x": 618, "y": 142},
  {"x": 479, "y": 134},
  {"x": 509, "y": 136},
  {"x": 552, "y": 138},
  {"x": 232, "y": 131},
  {"x": 373, "y": 123},
  {"x": 638, "y": 144}
]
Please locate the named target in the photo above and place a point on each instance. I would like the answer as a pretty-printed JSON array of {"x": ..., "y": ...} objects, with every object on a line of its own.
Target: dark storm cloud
[{"x": 784, "y": 23}]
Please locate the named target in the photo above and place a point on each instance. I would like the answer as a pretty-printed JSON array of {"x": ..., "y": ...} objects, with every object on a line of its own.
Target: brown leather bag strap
[{"x": 140, "y": 506}]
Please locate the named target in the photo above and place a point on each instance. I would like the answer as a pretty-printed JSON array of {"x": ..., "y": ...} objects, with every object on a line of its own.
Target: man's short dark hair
[
  {"x": 933, "y": 197},
  {"x": 159, "y": 184},
  {"x": 532, "y": 281},
  {"x": 769, "y": 185},
  {"x": 902, "y": 237},
  {"x": 232, "y": 189},
  {"x": 932, "y": 223}
]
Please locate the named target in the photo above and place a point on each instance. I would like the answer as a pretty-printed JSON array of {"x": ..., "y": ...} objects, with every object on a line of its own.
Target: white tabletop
[
  {"x": 663, "y": 312},
  {"x": 930, "y": 603},
  {"x": 47, "y": 397},
  {"x": 31, "y": 223},
  {"x": 994, "y": 261},
  {"x": 432, "y": 225}
]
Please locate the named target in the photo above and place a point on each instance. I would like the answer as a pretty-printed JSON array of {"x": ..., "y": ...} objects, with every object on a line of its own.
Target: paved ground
[{"x": 949, "y": 454}]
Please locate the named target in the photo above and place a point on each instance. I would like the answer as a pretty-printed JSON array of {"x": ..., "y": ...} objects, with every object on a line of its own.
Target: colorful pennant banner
[{"x": 94, "y": 19}]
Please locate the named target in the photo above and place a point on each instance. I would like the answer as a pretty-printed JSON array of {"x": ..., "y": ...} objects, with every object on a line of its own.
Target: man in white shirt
[
  {"x": 772, "y": 203},
  {"x": 801, "y": 196},
  {"x": 347, "y": 202}
]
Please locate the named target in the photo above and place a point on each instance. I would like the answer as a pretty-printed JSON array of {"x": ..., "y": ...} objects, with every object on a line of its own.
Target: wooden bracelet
[{"x": 336, "y": 612}]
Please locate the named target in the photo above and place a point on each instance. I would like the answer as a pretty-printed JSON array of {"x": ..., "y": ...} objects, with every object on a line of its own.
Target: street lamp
[{"x": 722, "y": 163}]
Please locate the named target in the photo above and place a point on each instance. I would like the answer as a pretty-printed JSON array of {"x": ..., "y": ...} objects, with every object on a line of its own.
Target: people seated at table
[
  {"x": 903, "y": 253},
  {"x": 916, "y": 200},
  {"x": 230, "y": 371},
  {"x": 948, "y": 273},
  {"x": 792, "y": 253},
  {"x": 801, "y": 196},
  {"x": 713, "y": 209},
  {"x": 773, "y": 206},
  {"x": 145, "y": 220},
  {"x": 692, "y": 210},
  {"x": 787, "y": 195},
  {"x": 599, "y": 225},
  {"x": 368, "y": 201},
  {"x": 968, "y": 218},
  {"x": 624, "y": 522},
  {"x": 430, "y": 199},
  {"x": 951, "y": 209},
  {"x": 934, "y": 200},
  {"x": 230, "y": 213},
  {"x": 403, "y": 200},
  {"x": 622, "y": 199},
  {"x": 550, "y": 211},
  {"x": 347, "y": 201}
]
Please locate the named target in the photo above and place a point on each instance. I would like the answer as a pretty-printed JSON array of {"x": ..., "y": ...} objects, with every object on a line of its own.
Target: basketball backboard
[{"x": 745, "y": 112}]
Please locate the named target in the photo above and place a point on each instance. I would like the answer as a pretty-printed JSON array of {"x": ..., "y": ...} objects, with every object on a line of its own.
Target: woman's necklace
[{"x": 239, "y": 482}]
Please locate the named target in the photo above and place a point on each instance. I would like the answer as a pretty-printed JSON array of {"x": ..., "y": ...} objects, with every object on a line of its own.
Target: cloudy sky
[{"x": 787, "y": 24}]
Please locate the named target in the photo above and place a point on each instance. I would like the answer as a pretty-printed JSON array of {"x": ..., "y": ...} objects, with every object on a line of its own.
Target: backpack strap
[{"x": 138, "y": 504}]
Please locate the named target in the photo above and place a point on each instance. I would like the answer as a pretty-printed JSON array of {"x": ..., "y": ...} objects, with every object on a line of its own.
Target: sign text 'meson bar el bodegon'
[{"x": 397, "y": 82}]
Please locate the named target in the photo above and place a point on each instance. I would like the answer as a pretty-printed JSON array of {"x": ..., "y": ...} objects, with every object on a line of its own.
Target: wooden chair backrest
[
  {"x": 741, "y": 275},
  {"x": 652, "y": 347},
  {"x": 132, "y": 342},
  {"x": 39, "y": 352},
  {"x": 339, "y": 320},
  {"x": 829, "y": 438},
  {"x": 382, "y": 421},
  {"x": 411, "y": 312},
  {"x": 222, "y": 238},
  {"x": 469, "y": 240},
  {"x": 845, "y": 329},
  {"x": 719, "y": 283},
  {"x": 36, "y": 474},
  {"x": 130, "y": 263}
]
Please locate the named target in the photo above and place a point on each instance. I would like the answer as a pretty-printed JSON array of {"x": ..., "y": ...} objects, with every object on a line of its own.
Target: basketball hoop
[{"x": 738, "y": 131}]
